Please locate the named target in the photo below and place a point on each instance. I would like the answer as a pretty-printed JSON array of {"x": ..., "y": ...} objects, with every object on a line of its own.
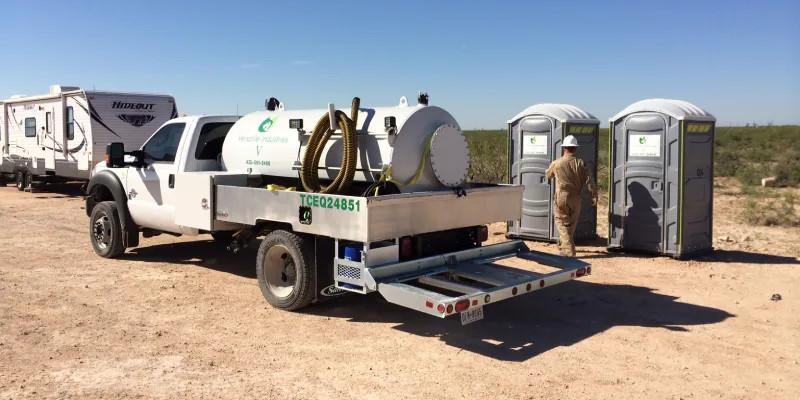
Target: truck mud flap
[{"x": 465, "y": 281}]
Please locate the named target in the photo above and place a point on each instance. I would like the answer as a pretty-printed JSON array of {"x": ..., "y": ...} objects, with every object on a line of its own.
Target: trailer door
[{"x": 49, "y": 140}]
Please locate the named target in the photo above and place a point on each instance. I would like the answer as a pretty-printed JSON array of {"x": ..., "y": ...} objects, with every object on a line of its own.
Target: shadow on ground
[
  {"x": 59, "y": 190},
  {"x": 738, "y": 256},
  {"x": 203, "y": 253},
  {"x": 522, "y": 328},
  {"x": 513, "y": 330}
]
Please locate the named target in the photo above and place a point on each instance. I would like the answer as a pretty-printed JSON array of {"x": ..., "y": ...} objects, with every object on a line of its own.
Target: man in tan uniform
[{"x": 571, "y": 177}]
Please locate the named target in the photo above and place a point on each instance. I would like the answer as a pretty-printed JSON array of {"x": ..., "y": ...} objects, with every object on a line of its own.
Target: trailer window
[
  {"x": 70, "y": 124},
  {"x": 47, "y": 117},
  {"x": 30, "y": 127},
  {"x": 209, "y": 142},
  {"x": 164, "y": 144}
]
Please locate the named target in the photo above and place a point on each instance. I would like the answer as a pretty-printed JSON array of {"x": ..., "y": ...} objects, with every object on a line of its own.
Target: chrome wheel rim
[
  {"x": 101, "y": 231},
  {"x": 280, "y": 271}
]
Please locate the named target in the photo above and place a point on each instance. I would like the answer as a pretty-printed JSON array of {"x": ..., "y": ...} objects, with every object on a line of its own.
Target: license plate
[{"x": 472, "y": 315}]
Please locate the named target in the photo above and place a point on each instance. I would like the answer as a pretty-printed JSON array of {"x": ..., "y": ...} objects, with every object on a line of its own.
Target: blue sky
[{"x": 484, "y": 61}]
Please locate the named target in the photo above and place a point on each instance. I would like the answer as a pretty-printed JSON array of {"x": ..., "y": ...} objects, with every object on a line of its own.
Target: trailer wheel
[
  {"x": 105, "y": 230},
  {"x": 285, "y": 269},
  {"x": 28, "y": 180},
  {"x": 20, "y": 177}
]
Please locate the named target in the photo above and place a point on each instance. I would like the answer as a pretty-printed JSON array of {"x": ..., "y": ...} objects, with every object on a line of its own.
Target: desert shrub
[
  {"x": 489, "y": 155},
  {"x": 773, "y": 211}
]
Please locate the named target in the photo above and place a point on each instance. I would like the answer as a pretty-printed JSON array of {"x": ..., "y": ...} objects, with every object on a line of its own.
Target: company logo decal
[
  {"x": 533, "y": 139},
  {"x": 133, "y": 106},
  {"x": 136, "y": 120},
  {"x": 642, "y": 140},
  {"x": 267, "y": 124},
  {"x": 332, "y": 290}
]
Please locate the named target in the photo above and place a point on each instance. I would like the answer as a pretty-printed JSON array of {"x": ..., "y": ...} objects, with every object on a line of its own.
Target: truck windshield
[{"x": 164, "y": 144}]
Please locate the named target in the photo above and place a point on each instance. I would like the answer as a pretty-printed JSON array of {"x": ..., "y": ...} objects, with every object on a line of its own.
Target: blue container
[{"x": 352, "y": 252}]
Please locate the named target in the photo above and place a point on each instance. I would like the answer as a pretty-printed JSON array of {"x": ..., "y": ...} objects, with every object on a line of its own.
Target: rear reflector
[
  {"x": 462, "y": 305},
  {"x": 428, "y": 304},
  {"x": 474, "y": 302},
  {"x": 449, "y": 308},
  {"x": 580, "y": 272},
  {"x": 483, "y": 233},
  {"x": 440, "y": 308},
  {"x": 406, "y": 247}
]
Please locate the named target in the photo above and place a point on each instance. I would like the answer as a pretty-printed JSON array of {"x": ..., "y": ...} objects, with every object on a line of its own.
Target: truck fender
[{"x": 110, "y": 181}]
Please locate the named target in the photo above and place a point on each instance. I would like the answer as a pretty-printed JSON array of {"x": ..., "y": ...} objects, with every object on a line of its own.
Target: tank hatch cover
[{"x": 449, "y": 154}]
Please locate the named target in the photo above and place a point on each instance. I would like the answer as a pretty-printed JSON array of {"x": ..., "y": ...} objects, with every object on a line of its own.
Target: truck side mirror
[{"x": 115, "y": 155}]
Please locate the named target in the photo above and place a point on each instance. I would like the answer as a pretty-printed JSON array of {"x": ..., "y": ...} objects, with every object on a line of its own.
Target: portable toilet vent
[
  {"x": 661, "y": 179},
  {"x": 534, "y": 142}
]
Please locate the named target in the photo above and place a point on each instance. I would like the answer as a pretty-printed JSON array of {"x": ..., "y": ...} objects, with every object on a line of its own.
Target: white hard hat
[{"x": 569, "y": 141}]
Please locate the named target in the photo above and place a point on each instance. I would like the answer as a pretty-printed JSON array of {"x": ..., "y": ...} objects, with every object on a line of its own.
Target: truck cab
[{"x": 185, "y": 144}]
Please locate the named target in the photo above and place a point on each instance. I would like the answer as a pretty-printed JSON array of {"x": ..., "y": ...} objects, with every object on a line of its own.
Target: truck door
[
  {"x": 644, "y": 179},
  {"x": 150, "y": 189}
]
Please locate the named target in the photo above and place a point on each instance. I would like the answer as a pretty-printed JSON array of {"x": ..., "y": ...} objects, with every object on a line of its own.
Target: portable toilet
[
  {"x": 534, "y": 142},
  {"x": 661, "y": 178}
]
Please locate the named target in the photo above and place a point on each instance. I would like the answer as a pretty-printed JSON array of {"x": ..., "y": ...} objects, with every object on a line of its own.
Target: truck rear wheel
[
  {"x": 20, "y": 178},
  {"x": 286, "y": 270},
  {"x": 105, "y": 230}
]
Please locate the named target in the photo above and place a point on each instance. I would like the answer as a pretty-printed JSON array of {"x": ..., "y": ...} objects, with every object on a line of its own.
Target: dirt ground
[{"x": 175, "y": 318}]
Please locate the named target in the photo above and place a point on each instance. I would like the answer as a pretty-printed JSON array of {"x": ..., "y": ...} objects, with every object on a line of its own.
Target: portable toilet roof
[
  {"x": 677, "y": 109},
  {"x": 561, "y": 112}
]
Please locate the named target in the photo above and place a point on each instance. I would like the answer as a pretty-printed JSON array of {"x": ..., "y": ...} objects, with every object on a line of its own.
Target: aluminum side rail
[{"x": 456, "y": 282}]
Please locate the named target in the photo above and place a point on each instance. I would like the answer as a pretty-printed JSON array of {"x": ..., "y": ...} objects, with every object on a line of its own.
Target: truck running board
[{"x": 456, "y": 282}]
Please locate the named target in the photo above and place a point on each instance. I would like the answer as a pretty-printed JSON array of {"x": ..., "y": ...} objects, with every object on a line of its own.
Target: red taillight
[
  {"x": 483, "y": 233},
  {"x": 528, "y": 287},
  {"x": 462, "y": 305},
  {"x": 541, "y": 283},
  {"x": 474, "y": 302},
  {"x": 449, "y": 308},
  {"x": 514, "y": 291},
  {"x": 580, "y": 272},
  {"x": 406, "y": 247},
  {"x": 428, "y": 304},
  {"x": 440, "y": 308}
]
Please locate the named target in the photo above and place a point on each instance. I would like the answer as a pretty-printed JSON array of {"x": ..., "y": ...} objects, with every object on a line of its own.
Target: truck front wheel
[
  {"x": 285, "y": 269},
  {"x": 105, "y": 230},
  {"x": 20, "y": 180}
]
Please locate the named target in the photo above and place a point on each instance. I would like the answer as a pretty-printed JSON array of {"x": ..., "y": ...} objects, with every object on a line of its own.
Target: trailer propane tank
[{"x": 419, "y": 148}]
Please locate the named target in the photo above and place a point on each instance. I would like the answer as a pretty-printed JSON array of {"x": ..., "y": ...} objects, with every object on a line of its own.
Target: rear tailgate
[{"x": 464, "y": 281}]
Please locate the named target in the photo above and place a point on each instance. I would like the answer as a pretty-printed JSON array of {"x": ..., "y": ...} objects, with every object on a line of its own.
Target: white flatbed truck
[{"x": 421, "y": 250}]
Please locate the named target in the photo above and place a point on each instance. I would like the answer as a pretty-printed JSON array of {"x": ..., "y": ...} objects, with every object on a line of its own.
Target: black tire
[
  {"x": 28, "y": 180},
  {"x": 20, "y": 180},
  {"x": 280, "y": 255},
  {"x": 105, "y": 230}
]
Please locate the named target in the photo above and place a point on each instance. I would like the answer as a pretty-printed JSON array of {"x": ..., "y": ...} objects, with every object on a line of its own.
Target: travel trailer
[{"x": 61, "y": 135}]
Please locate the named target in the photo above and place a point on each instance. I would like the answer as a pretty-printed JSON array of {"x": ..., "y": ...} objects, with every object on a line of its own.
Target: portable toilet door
[
  {"x": 651, "y": 160},
  {"x": 535, "y": 137}
]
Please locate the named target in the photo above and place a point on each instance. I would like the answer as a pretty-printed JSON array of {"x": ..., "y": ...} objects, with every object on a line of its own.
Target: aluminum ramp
[{"x": 465, "y": 281}]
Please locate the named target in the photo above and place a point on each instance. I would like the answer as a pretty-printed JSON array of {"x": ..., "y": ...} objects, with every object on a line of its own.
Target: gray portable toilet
[
  {"x": 534, "y": 142},
  {"x": 661, "y": 178}
]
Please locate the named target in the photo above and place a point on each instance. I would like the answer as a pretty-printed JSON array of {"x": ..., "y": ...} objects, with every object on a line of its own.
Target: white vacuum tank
[{"x": 271, "y": 143}]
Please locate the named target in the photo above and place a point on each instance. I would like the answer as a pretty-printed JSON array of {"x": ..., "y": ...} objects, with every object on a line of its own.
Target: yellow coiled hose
[{"x": 309, "y": 175}]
